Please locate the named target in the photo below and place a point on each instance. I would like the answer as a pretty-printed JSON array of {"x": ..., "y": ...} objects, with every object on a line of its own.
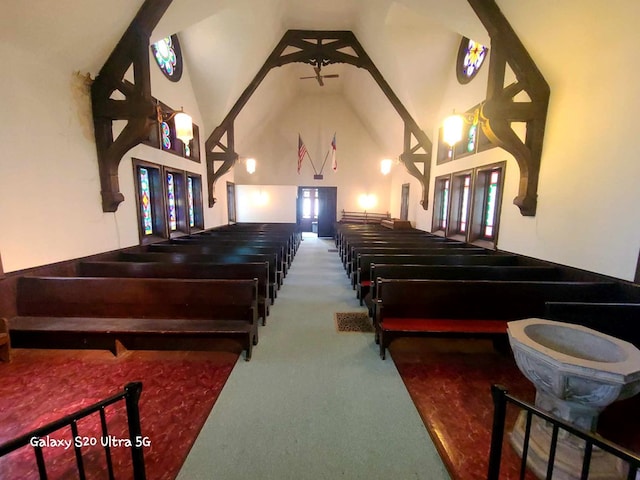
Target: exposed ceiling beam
[
  {"x": 320, "y": 48},
  {"x": 138, "y": 107}
]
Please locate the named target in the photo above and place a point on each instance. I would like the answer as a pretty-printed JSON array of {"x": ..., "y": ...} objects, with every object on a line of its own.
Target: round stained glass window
[
  {"x": 471, "y": 56},
  {"x": 168, "y": 56}
]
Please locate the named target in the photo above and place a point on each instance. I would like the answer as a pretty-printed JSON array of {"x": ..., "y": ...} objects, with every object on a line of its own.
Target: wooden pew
[
  {"x": 453, "y": 272},
  {"x": 470, "y": 308},
  {"x": 350, "y": 244},
  {"x": 204, "y": 258},
  {"x": 471, "y": 257},
  {"x": 133, "y": 313},
  {"x": 620, "y": 320},
  {"x": 5, "y": 342},
  {"x": 224, "y": 249},
  {"x": 354, "y": 264},
  {"x": 234, "y": 271}
]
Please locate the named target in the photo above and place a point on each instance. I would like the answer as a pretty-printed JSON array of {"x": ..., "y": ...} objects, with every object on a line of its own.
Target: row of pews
[
  {"x": 182, "y": 294},
  {"x": 418, "y": 284}
]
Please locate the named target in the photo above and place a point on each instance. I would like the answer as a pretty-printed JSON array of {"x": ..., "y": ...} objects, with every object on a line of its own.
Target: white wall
[
  {"x": 587, "y": 214},
  {"x": 266, "y": 203},
  {"x": 50, "y": 204},
  {"x": 317, "y": 118}
]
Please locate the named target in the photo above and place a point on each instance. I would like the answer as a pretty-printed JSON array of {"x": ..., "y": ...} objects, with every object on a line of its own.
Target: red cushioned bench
[{"x": 470, "y": 308}]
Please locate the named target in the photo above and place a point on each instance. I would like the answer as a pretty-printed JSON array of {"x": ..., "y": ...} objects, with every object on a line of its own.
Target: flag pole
[
  {"x": 314, "y": 167},
  {"x": 325, "y": 160}
]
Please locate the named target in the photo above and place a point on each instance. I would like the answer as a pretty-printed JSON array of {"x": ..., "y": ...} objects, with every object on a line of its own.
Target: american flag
[{"x": 302, "y": 151}]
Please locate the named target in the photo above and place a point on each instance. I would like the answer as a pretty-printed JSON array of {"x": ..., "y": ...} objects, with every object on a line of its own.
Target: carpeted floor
[{"x": 40, "y": 386}]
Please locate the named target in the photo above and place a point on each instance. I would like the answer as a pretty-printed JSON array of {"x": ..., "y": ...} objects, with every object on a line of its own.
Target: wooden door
[{"x": 327, "y": 206}]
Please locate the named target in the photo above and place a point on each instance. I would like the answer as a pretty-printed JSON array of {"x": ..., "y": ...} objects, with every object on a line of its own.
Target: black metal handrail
[
  {"x": 500, "y": 399},
  {"x": 131, "y": 396}
]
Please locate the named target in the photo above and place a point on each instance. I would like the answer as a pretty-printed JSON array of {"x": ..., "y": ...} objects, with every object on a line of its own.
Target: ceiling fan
[{"x": 320, "y": 77}]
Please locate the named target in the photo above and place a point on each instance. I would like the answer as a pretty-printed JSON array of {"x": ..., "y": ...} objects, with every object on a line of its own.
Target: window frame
[
  {"x": 482, "y": 179},
  {"x": 456, "y": 204},
  {"x": 438, "y": 215},
  {"x": 198, "y": 202},
  {"x": 157, "y": 190},
  {"x": 477, "y": 205},
  {"x": 180, "y": 194}
]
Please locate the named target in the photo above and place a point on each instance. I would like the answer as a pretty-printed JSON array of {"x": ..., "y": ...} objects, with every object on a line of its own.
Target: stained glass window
[
  {"x": 168, "y": 56},
  {"x": 444, "y": 204},
  {"x": 192, "y": 213},
  {"x": 145, "y": 191},
  {"x": 166, "y": 136},
  {"x": 490, "y": 206},
  {"x": 464, "y": 210},
  {"x": 171, "y": 195},
  {"x": 471, "y": 56}
]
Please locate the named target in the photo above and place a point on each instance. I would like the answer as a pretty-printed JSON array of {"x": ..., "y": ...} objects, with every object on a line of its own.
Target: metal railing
[
  {"x": 130, "y": 395},
  {"x": 500, "y": 400}
]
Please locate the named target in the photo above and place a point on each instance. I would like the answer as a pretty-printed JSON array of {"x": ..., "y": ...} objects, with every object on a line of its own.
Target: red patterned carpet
[
  {"x": 179, "y": 390},
  {"x": 450, "y": 383}
]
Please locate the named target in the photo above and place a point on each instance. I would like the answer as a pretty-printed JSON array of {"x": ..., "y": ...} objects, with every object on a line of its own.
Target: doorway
[
  {"x": 404, "y": 202},
  {"x": 316, "y": 210}
]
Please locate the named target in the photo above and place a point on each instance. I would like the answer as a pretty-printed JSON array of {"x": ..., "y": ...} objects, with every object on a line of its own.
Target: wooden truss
[
  {"x": 319, "y": 48},
  {"x": 138, "y": 107},
  {"x": 500, "y": 110}
]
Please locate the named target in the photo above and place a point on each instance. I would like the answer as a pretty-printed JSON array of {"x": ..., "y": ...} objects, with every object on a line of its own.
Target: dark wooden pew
[
  {"x": 354, "y": 264},
  {"x": 134, "y": 313},
  {"x": 5, "y": 343},
  {"x": 468, "y": 257},
  {"x": 431, "y": 241},
  {"x": 620, "y": 320},
  {"x": 223, "y": 249},
  {"x": 234, "y": 271},
  {"x": 452, "y": 272},
  {"x": 471, "y": 308},
  {"x": 234, "y": 240},
  {"x": 204, "y": 258}
]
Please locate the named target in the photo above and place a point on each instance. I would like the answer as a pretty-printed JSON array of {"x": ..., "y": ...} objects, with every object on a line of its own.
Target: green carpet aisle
[{"x": 313, "y": 403}]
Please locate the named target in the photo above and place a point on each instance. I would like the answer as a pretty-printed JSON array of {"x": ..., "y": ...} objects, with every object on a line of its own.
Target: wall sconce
[
  {"x": 251, "y": 165},
  {"x": 385, "y": 166},
  {"x": 453, "y": 125},
  {"x": 182, "y": 122},
  {"x": 367, "y": 201}
]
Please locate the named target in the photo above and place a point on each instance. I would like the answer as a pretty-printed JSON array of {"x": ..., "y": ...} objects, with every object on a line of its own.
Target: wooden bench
[
  {"x": 470, "y": 308},
  {"x": 620, "y": 320},
  {"x": 204, "y": 258},
  {"x": 365, "y": 260},
  {"x": 5, "y": 342},
  {"x": 235, "y": 271},
  {"x": 225, "y": 249},
  {"x": 349, "y": 244},
  {"x": 453, "y": 272},
  {"x": 363, "y": 217},
  {"x": 354, "y": 264},
  {"x": 134, "y": 313}
]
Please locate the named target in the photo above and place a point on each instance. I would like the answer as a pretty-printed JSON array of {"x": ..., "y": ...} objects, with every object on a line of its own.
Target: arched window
[
  {"x": 168, "y": 56},
  {"x": 471, "y": 56}
]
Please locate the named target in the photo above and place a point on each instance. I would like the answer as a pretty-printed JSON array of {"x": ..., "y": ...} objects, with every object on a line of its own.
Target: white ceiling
[{"x": 225, "y": 42}]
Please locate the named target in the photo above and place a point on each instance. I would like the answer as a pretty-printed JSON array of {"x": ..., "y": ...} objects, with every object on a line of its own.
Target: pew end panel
[{"x": 5, "y": 341}]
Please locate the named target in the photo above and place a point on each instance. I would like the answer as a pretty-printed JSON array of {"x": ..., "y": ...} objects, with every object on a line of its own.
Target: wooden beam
[
  {"x": 321, "y": 48},
  {"x": 138, "y": 107},
  {"x": 500, "y": 110}
]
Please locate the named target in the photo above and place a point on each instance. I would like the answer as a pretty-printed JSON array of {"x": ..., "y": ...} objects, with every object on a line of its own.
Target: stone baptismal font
[{"x": 577, "y": 372}]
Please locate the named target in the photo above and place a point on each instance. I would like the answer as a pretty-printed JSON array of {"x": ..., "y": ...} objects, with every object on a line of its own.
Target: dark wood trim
[
  {"x": 500, "y": 110},
  {"x": 636, "y": 279},
  {"x": 319, "y": 48},
  {"x": 160, "y": 224},
  {"x": 138, "y": 108}
]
